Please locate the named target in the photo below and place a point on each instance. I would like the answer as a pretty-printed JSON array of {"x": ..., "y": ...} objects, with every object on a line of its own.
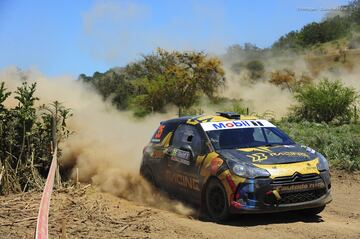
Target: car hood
[{"x": 280, "y": 154}]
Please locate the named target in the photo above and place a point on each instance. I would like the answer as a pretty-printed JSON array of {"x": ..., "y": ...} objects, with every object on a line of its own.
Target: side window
[
  {"x": 272, "y": 137},
  {"x": 187, "y": 135}
]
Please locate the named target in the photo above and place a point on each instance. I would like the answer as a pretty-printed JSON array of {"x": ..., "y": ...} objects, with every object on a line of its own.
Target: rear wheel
[
  {"x": 147, "y": 174},
  {"x": 312, "y": 211},
  {"x": 216, "y": 201}
]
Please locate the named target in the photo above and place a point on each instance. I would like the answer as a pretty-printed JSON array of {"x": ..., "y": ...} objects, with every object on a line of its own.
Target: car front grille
[
  {"x": 296, "y": 177},
  {"x": 298, "y": 197},
  {"x": 295, "y": 196}
]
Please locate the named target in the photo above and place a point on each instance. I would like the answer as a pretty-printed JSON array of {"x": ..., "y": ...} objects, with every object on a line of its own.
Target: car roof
[{"x": 197, "y": 119}]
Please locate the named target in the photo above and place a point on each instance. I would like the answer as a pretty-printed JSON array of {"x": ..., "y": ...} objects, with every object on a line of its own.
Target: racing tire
[
  {"x": 312, "y": 211},
  {"x": 216, "y": 202}
]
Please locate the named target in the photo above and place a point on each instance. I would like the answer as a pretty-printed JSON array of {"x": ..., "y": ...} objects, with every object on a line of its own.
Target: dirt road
[{"x": 87, "y": 213}]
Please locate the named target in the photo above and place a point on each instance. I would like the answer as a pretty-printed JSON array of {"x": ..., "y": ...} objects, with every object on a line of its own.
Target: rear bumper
[{"x": 267, "y": 195}]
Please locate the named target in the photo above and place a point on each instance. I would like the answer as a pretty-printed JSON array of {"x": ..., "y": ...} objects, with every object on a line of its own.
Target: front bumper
[{"x": 279, "y": 195}]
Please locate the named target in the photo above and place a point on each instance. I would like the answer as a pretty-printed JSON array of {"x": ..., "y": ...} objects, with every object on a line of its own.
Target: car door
[{"x": 181, "y": 173}]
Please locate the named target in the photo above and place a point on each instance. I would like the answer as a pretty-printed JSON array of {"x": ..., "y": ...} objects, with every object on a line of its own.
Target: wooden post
[
  {"x": 77, "y": 176},
  {"x": 55, "y": 142}
]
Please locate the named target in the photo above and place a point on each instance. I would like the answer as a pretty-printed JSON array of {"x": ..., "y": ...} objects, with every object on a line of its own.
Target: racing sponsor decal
[
  {"x": 310, "y": 150},
  {"x": 180, "y": 156},
  {"x": 290, "y": 154},
  {"x": 278, "y": 170},
  {"x": 157, "y": 154},
  {"x": 235, "y": 124},
  {"x": 198, "y": 120},
  {"x": 262, "y": 149},
  {"x": 300, "y": 187},
  {"x": 257, "y": 157},
  {"x": 183, "y": 180}
]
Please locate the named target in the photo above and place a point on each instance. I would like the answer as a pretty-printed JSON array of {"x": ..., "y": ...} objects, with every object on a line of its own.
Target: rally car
[{"x": 229, "y": 163}]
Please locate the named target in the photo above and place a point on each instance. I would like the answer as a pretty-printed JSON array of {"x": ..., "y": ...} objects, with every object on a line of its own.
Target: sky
[{"x": 70, "y": 37}]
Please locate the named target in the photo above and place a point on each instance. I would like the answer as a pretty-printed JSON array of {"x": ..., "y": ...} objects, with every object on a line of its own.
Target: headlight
[
  {"x": 247, "y": 170},
  {"x": 323, "y": 164}
]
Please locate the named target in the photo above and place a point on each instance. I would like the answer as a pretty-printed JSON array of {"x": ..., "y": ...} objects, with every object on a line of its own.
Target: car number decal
[{"x": 159, "y": 132}]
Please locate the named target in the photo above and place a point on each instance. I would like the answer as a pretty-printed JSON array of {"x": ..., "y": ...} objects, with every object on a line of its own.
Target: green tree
[
  {"x": 353, "y": 10},
  {"x": 189, "y": 75},
  {"x": 256, "y": 69},
  {"x": 330, "y": 29},
  {"x": 154, "y": 96},
  {"x": 289, "y": 41},
  {"x": 159, "y": 79}
]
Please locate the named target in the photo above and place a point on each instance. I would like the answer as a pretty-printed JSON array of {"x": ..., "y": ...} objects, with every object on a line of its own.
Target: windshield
[{"x": 248, "y": 137}]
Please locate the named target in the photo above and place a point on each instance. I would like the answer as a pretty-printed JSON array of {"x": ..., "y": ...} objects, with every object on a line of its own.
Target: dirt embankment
[{"x": 87, "y": 213}]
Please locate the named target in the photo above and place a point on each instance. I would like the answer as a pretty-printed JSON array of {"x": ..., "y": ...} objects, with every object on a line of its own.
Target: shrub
[
  {"x": 325, "y": 102},
  {"x": 26, "y": 139},
  {"x": 285, "y": 79}
]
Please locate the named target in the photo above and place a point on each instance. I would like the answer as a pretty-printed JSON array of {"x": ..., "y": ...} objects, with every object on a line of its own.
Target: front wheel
[{"x": 216, "y": 201}]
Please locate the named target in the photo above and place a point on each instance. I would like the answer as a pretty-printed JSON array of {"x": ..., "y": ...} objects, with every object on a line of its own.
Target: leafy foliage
[
  {"x": 313, "y": 33},
  {"x": 256, "y": 69},
  {"x": 353, "y": 11},
  {"x": 287, "y": 79},
  {"x": 325, "y": 102},
  {"x": 159, "y": 79},
  {"x": 248, "y": 51},
  {"x": 25, "y": 139}
]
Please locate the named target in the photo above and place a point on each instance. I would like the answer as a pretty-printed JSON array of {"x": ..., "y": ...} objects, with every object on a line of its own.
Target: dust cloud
[
  {"x": 260, "y": 96},
  {"x": 106, "y": 146}
]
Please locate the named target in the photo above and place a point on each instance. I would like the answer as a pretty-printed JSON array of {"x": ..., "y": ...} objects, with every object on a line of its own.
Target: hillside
[{"x": 332, "y": 59}]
